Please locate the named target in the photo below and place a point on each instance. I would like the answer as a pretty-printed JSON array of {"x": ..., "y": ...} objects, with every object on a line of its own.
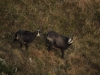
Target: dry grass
[{"x": 78, "y": 17}]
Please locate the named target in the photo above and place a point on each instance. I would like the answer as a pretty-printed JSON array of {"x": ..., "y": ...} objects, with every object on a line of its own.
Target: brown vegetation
[{"x": 67, "y": 17}]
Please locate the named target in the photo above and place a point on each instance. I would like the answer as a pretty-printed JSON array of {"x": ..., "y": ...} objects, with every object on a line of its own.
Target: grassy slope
[{"x": 78, "y": 17}]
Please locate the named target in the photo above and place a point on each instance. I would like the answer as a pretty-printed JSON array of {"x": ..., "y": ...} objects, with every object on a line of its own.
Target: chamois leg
[
  {"x": 14, "y": 41},
  {"x": 62, "y": 51},
  {"x": 50, "y": 46},
  {"x": 21, "y": 44},
  {"x": 26, "y": 44}
]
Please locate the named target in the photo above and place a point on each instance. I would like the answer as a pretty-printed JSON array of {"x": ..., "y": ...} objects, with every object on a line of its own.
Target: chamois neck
[{"x": 34, "y": 34}]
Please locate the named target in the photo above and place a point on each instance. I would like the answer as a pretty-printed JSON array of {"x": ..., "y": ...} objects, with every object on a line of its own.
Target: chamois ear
[
  {"x": 39, "y": 29},
  {"x": 70, "y": 40}
]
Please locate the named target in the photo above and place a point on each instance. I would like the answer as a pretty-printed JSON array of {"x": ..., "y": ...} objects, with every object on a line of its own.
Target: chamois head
[{"x": 70, "y": 40}]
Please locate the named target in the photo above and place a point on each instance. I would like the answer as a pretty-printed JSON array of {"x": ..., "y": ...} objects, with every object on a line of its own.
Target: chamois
[
  {"x": 25, "y": 37},
  {"x": 59, "y": 41}
]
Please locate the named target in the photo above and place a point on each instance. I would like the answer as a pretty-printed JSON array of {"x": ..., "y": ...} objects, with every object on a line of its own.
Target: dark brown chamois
[
  {"x": 59, "y": 41},
  {"x": 25, "y": 37}
]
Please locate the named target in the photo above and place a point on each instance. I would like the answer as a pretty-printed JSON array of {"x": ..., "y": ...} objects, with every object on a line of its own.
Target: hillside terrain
[{"x": 80, "y": 18}]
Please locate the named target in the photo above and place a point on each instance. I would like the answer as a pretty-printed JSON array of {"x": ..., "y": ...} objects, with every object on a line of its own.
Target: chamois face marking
[
  {"x": 70, "y": 41},
  {"x": 38, "y": 33}
]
